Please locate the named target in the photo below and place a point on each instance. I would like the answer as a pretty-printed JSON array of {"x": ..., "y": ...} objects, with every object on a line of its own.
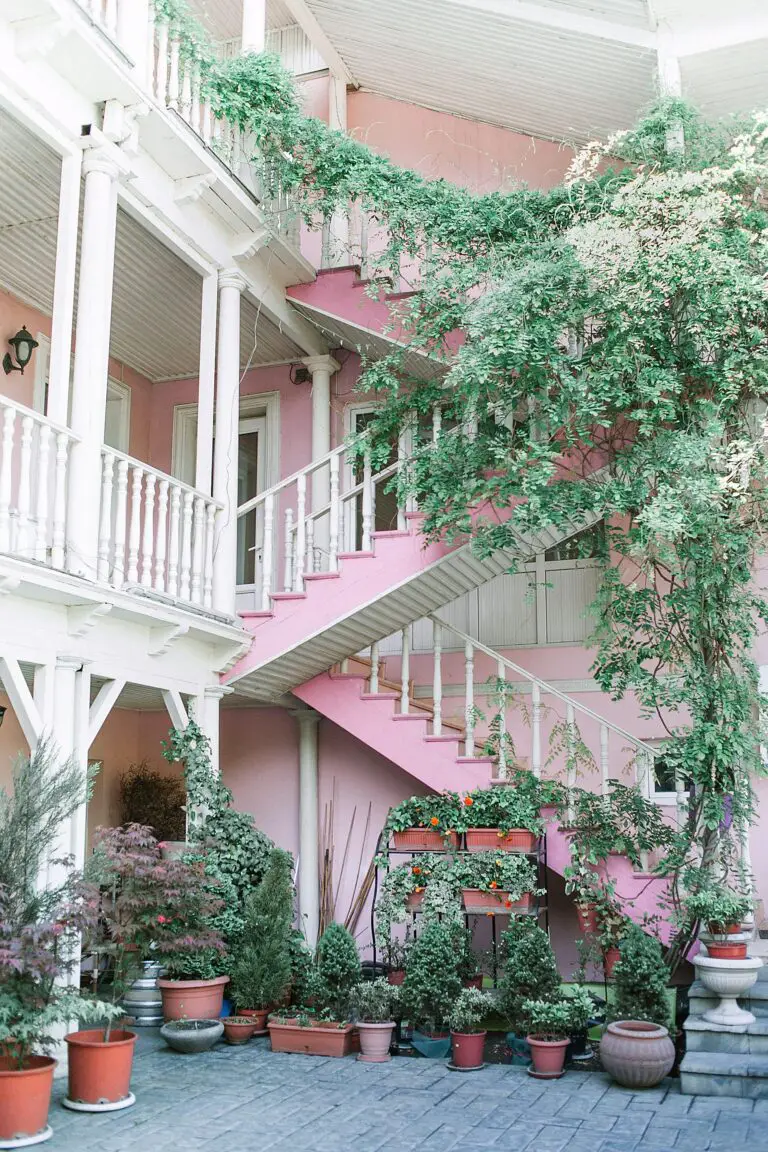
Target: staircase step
[
  {"x": 379, "y": 696},
  {"x": 267, "y": 614},
  {"x": 315, "y": 576},
  {"x": 724, "y": 1074},
  {"x": 701, "y": 1036},
  {"x": 347, "y": 556},
  {"x": 700, "y": 999},
  {"x": 390, "y": 534},
  {"x": 289, "y": 596},
  {"x": 475, "y": 760}
]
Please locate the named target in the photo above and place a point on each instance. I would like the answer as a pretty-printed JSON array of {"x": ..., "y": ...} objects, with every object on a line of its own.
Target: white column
[
  {"x": 231, "y": 285},
  {"x": 322, "y": 368},
  {"x": 337, "y": 118},
  {"x": 254, "y": 26},
  {"x": 309, "y": 819},
  {"x": 133, "y": 35},
  {"x": 208, "y": 716},
  {"x": 69, "y": 719},
  {"x": 206, "y": 385},
  {"x": 89, "y": 389},
  {"x": 64, "y": 288}
]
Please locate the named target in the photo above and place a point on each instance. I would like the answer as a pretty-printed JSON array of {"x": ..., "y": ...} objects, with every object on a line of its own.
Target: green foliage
[
  {"x": 502, "y": 808},
  {"x": 153, "y": 800},
  {"x": 558, "y": 1018},
  {"x": 337, "y": 966},
  {"x": 439, "y": 812},
  {"x": 641, "y": 980},
  {"x": 530, "y": 971},
  {"x": 503, "y": 872},
  {"x": 718, "y": 907},
  {"x": 432, "y": 981},
  {"x": 261, "y": 967},
  {"x": 469, "y": 1011},
  {"x": 375, "y": 1001}
]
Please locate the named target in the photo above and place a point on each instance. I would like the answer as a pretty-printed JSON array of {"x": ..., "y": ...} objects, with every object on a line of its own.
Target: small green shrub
[
  {"x": 375, "y": 1001},
  {"x": 337, "y": 968},
  {"x": 641, "y": 980},
  {"x": 432, "y": 980},
  {"x": 469, "y": 1011},
  {"x": 530, "y": 971},
  {"x": 261, "y": 969}
]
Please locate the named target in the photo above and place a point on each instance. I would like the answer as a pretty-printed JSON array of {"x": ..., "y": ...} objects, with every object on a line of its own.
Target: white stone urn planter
[{"x": 728, "y": 979}]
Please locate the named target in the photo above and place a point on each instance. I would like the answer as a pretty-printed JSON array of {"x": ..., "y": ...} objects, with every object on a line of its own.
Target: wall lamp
[{"x": 23, "y": 344}]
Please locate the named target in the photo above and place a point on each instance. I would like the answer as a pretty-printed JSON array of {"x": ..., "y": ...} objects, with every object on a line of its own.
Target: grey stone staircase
[{"x": 727, "y": 1061}]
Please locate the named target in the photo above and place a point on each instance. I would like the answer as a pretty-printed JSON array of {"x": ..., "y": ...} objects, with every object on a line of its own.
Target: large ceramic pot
[
  {"x": 468, "y": 1049},
  {"x": 143, "y": 1001},
  {"x": 99, "y": 1071},
  {"x": 25, "y": 1097},
  {"x": 728, "y": 979},
  {"x": 485, "y": 839},
  {"x": 636, "y": 1054},
  {"x": 548, "y": 1057},
  {"x": 375, "y": 1041},
  {"x": 192, "y": 1036},
  {"x": 423, "y": 840},
  {"x": 193, "y": 999}
]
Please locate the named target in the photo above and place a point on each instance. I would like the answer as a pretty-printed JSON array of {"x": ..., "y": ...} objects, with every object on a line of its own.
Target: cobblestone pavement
[{"x": 248, "y": 1099}]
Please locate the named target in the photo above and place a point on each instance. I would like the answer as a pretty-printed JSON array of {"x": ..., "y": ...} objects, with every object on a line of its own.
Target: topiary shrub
[
  {"x": 641, "y": 980},
  {"x": 530, "y": 971},
  {"x": 153, "y": 800},
  {"x": 262, "y": 967},
  {"x": 432, "y": 981},
  {"x": 337, "y": 967}
]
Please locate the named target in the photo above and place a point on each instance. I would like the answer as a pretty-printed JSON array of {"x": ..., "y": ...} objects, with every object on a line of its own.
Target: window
[{"x": 586, "y": 545}]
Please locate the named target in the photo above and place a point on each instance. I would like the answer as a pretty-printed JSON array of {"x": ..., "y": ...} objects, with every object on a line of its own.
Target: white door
[{"x": 251, "y": 476}]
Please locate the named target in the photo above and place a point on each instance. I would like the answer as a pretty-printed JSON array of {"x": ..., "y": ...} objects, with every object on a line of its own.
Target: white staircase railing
[
  {"x": 34, "y": 462},
  {"x": 104, "y": 13},
  {"x": 154, "y": 531}
]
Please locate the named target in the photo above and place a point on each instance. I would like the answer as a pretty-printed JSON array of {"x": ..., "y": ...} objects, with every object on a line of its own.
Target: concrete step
[
  {"x": 742, "y": 1039},
  {"x": 724, "y": 1074},
  {"x": 700, "y": 999}
]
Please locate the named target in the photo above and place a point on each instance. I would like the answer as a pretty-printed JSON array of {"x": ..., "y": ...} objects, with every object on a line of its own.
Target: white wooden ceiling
[
  {"x": 224, "y": 18},
  {"x": 156, "y": 304}
]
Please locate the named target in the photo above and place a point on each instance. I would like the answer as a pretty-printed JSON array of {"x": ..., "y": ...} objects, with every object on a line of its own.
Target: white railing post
[
  {"x": 367, "y": 502},
  {"x": 186, "y": 545},
  {"x": 333, "y": 535},
  {"x": 402, "y": 452},
  {"x": 536, "y": 729},
  {"x": 58, "y": 533},
  {"x": 134, "y": 530},
  {"x": 288, "y": 553},
  {"x": 105, "y": 527},
  {"x": 173, "y": 73},
  {"x": 570, "y": 746},
  {"x": 501, "y": 674},
  {"x": 41, "y": 494},
  {"x": 266, "y": 554},
  {"x": 469, "y": 698},
  {"x": 6, "y": 477},
  {"x": 604, "y": 762},
  {"x": 174, "y": 535},
  {"x": 644, "y": 771},
  {"x": 161, "y": 534},
  {"x": 24, "y": 497},
  {"x": 301, "y": 533},
  {"x": 681, "y": 801},
  {"x": 405, "y": 671},
  {"x": 437, "y": 679},
  {"x": 210, "y": 531},
  {"x": 309, "y": 565},
  {"x": 148, "y": 534},
  {"x": 437, "y": 423},
  {"x": 374, "y": 679},
  {"x": 121, "y": 520},
  {"x": 198, "y": 545},
  {"x": 161, "y": 74}
]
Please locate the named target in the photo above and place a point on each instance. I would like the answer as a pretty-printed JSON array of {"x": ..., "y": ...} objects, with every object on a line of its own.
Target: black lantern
[{"x": 23, "y": 345}]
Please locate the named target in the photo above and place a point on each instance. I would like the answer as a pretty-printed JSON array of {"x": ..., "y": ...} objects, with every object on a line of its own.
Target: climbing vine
[{"x": 613, "y": 365}]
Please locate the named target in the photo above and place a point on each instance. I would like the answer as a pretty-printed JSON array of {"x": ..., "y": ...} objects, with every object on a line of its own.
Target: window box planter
[
  {"x": 491, "y": 839},
  {"x": 25, "y": 1097},
  {"x": 311, "y": 1040},
  {"x": 481, "y": 900},
  {"x": 100, "y": 1071},
  {"x": 424, "y": 840},
  {"x": 193, "y": 999}
]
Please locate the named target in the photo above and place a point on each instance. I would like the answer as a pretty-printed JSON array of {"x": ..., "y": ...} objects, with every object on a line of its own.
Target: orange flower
[
  {"x": 493, "y": 884},
  {"x": 468, "y": 801},
  {"x": 499, "y": 832},
  {"x": 416, "y": 871},
  {"x": 508, "y": 903},
  {"x": 434, "y": 821},
  {"x": 417, "y": 889}
]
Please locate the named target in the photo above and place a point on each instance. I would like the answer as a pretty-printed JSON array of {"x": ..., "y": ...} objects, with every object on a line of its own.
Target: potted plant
[
  {"x": 551, "y": 1023},
  {"x": 612, "y": 923},
  {"x": 261, "y": 970},
  {"x": 239, "y": 1029},
  {"x": 498, "y": 882},
  {"x": 432, "y": 983},
  {"x": 500, "y": 819},
  {"x": 320, "y": 1026},
  {"x": 394, "y": 954},
  {"x": 465, "y": 1021},
  {"x": 722, "y": 910},
  {"x": 529, "y": 972},
  {"x": 423, "y": 823},
  {"x": 374, "y": 1003},
  {"x": 636, "y": 1049}
]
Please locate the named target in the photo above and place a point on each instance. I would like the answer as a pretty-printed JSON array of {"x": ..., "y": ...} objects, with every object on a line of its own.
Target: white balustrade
[
  {"x": 104, "y": 13},
  {"x": 34, "y": 458},
  {"x": 405, "y": 673},
  {"x": 154, "y": 532},
  {"x": 373, "y": 682},
  {"x": 469, "y": 698}
]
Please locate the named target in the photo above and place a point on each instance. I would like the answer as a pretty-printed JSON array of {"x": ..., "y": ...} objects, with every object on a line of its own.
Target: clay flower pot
[
  {"x": 636, "y": 1054},
  {"x": 728, "y": 979},
  {"x": 259, "y": 1018},
  {"x": 468, "y": 1049},
  {"x": 414, "y": 901},
  {"x": 239, "y": 1029},
  {"x": 423, "y": 840},
  {"x": 315, "y": 1040},
  {"x": 25, "y": 1097},
  {"x": 193, "y": 999},
  {"x": 719, "y": 950},
  {"x": 494, "y": 900},
  {"x": 611, "y": 957},
  {"x": 375, "y": 1040},
  {"x": 474, "y": 982},
  {"x": 484, "y": 839},
  {"x": 548, "y": 1057},
  {"x": 396, "y": 977},
  {"x": 100, "y": 1072},
  {"x": 587, "y": 917}
]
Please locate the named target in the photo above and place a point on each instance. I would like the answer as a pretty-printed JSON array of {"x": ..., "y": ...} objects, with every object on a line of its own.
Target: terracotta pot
[
  {"x": 724, "y": 929},
  {"x": 468, "y": 1049},
  {"x": 587, "y": 917},
  {"x": 516, "y": 840},
  {"x": 611, "y": 957},
  {"x": 25, "y": 1097},
  {"x": 495, "y": 900},
  {"x": 316, "y": 1040},
  {"x": 238, "y": 1029},
  {"x": 548, "y": 1057},
  {"x": 375, "y": 1040},
  {"x": 414, "y": 901},
  {"x": 636, "y": 1054},
  {"x": 193, "y": 999},
  {"x": 423, "y": 840},
  {"x": 474, "y": 982},
  {"x": 396, "y": 976},
  {"x": 99, "y": 1072},
  {"x": 259, "y": 1017},
  {"x": 720, "y": 951}
]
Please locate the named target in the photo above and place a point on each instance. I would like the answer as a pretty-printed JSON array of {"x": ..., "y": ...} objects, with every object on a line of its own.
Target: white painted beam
[
  {"x": 21, "y": 700},
  {"x": 729, "y": 34},
  {"x": 306, "y": 19},
  {"x": 176, "y": 709},
  {"x": 563, "y": 21},
  {"x": 106, "y": 698}
]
